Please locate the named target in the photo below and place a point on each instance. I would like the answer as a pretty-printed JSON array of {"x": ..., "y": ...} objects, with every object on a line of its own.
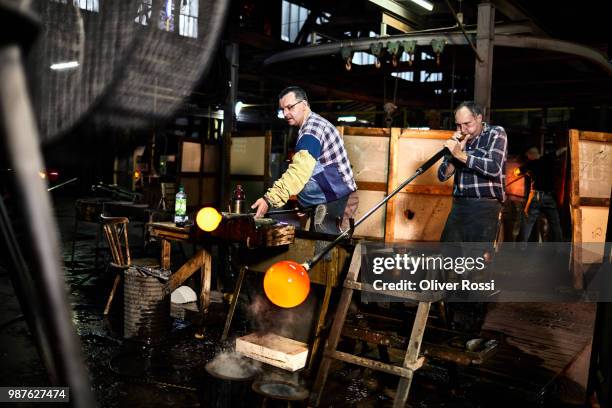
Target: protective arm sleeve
[{"x": 293, "y": 180}]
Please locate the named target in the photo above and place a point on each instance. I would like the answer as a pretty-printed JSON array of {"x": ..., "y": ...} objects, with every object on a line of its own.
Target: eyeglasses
[{"x": 290, "y": 107}]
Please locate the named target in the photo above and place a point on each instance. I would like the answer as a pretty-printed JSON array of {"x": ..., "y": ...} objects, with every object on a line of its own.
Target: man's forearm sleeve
[{"x": 293, "y": 180}]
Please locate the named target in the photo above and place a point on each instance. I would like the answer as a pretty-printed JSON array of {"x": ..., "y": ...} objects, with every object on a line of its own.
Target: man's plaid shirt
[
  {"x": 332, "y": 146},
  {"x": 484, "y": 173}
]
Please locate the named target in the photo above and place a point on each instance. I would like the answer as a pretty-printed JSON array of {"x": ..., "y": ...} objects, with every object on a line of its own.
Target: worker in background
[
  {"x": 541, "y": 170},
  {"x": 477, "y": 160},
  {"x": 320, "y": 173}
]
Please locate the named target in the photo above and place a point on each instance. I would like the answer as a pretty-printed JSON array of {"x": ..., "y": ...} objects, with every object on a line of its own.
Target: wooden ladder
[{"x": 412, "y": 361}]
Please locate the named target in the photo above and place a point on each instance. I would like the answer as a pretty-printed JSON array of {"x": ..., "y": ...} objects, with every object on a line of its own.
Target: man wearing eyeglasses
[
  {"x": 478, "y": 161},
  {"x": 320, "y": 173}
]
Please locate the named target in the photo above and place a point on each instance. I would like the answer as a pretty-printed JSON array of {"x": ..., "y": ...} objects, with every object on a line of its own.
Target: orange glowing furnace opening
[{"x": 286, "y": 284}]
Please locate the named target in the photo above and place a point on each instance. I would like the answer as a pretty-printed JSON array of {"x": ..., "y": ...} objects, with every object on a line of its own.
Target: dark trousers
[
  {"x": 542, "y": 202},
  {"x": 472, "y": 220}
]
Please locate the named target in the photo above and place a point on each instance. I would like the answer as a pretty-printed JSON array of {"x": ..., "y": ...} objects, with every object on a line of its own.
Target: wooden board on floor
[{"x": 273, "y": 349}]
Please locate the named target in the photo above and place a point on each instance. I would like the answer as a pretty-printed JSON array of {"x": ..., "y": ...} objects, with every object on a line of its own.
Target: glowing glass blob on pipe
[
  {"x": 208, "y": 219},
  {"x": 286, "y": 284}
]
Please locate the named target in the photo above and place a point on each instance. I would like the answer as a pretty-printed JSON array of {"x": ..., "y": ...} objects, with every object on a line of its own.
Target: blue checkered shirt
[
  {"x": 484, "y": 173},
  {"x": 332, "y": 151}
]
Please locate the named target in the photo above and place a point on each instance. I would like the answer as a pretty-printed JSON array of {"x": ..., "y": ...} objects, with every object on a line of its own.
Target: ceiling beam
[
  {"x": 399, "y": 10},
  {"x": 511, "y": 10}
]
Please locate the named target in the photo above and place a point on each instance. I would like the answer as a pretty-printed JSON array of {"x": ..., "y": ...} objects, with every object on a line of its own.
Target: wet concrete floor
[{"x": 172, "y": 373}]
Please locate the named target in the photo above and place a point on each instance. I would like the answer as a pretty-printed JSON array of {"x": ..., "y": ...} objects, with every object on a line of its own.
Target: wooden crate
[
  {"x": 368, "y": 152},
  {"x": 591, "y": 184},
  {"x": 419, "y": 212}
]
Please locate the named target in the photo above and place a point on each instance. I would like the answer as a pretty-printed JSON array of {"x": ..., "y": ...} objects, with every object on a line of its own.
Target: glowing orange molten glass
[
  {"x": 286, "y": 284},
  {"x": 208, "y": 219}
]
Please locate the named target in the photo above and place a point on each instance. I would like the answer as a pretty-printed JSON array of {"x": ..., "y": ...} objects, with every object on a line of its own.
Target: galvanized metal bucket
[{"x": 146, "y": 308}]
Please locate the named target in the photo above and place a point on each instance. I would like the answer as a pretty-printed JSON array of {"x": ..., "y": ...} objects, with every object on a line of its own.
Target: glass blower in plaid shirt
[
  {"x": 320, "y": 173},
  {"x": 478, "y": 161}
]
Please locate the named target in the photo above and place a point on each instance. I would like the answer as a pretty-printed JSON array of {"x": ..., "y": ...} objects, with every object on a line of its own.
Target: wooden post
[{"x": 485, "y": 34}]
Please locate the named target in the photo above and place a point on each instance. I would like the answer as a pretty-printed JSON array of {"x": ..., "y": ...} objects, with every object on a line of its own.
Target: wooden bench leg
[
  {"x": 233, "y": 303},
  {"x": 112, "y": 293}
]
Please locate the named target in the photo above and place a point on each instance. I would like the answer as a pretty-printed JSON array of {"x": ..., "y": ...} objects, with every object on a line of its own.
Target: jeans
[
  {"x": 472, "y": 220},
  {"x": 542, "y": 202}
]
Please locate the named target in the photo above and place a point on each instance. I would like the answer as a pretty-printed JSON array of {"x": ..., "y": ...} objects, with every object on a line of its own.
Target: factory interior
[{"x": 140, "y": 140}]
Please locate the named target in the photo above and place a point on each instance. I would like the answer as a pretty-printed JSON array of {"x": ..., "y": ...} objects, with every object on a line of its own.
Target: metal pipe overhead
[{"x": 502, "y": 39}]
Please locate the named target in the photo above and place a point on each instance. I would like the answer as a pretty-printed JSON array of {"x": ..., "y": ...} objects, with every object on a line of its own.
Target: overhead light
[
  {"x": 279, "y": 114},
  {"x": 347, "y": 118},
  {"x": 238, "y": 107},
  {"x": 64, "y": 65},
  {"x": 424, "y": 3}
]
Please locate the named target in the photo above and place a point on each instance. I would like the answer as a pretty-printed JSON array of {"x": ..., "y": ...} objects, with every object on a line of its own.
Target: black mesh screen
[{"x": 137, "y": 60}]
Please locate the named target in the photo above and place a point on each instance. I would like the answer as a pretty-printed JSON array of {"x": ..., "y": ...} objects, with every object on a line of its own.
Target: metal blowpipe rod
[{"x": 419, "y": 171}]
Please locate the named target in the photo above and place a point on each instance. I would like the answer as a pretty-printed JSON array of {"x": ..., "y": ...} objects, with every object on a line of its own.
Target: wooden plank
[
  {"x": 165, "y": 254},
  {"x": 365, "y": 131},
  {"x": 444, "y": 190},
  {"x": 371, "y": 185},
  {"x": 268, "y": 150},
  {"x": 594, "y": 202},
  {"x": 576, "y": 251},
  {"x": 412, "y": 354},
  {"x": 574, "y": 136},
  {"x": 273, "y": 349},
  {"x": 426, "y": 134},
  {"x": 205, "y": 276},
  {"x": 184, "y": 272},
  {"x": 378, "y": 365},
  {"x": 392, "y": 184},
  {"x": 596, "y": 136},
  {"x": 485, "y": 37},
  {"x": 336, "y": 329}
]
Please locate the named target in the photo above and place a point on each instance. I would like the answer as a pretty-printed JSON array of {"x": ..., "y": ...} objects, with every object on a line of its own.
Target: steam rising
[
  {"x": 233, "y": 365},
  {"x": 295, "y": 323}
]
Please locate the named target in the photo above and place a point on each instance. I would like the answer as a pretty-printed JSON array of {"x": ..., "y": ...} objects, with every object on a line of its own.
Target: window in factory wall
[
  {"x": 144, "y": 12},
  {"x": 363, "y": 58},
  {"x": 431, "y": 76},
  {"x": 89, "y": 5},
  {"x": 292, "y": 20},
  {"x": 188, "y": 22},
  {"x": 406, "y": 76},
  {"x": 425, "y": 56}
]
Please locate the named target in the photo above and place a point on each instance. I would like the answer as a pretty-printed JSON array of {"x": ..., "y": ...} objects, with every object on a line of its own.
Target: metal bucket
[
  {"x": 146, "y": 315},
  {"x": 222, "y": 388}
]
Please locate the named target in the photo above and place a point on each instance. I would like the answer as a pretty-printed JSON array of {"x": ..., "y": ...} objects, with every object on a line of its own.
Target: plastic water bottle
[{"x": 180, "y": 207}]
